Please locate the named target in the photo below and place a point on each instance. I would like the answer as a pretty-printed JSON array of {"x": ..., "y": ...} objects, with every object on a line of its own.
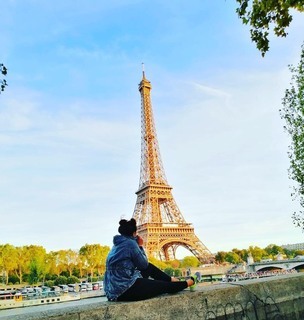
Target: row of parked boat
[
  {"x": 30, "y": 296},
  {"x": 76, "y": 287}
]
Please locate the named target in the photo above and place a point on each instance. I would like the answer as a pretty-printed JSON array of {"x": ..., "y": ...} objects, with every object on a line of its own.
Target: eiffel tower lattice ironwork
[{"x": 159, "y": 220}]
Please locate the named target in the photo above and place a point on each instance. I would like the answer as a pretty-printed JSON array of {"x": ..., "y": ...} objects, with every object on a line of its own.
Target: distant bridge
[
  {"x": 216, "y": 271},
  {"x": 297, "y": 264}
]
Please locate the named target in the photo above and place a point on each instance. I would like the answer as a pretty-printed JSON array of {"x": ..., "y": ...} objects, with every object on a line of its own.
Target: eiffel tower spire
[
  {"x": 160, "y": 222},
  {"x": 151, "y": 169}
]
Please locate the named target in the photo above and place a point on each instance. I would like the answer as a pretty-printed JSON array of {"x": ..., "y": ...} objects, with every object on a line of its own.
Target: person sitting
[{"x": 129, "y": 276}]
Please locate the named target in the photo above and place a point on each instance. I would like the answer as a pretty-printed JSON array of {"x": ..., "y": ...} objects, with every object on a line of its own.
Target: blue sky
[{"x": 70, "y": 120}]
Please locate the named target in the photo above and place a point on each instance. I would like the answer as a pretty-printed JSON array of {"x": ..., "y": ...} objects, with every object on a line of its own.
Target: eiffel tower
[{"x": 159, "y": 220}]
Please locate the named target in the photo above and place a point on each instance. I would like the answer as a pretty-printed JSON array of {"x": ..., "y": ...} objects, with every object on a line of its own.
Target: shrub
[
  {"x": 73, "y": 279},
  {"x": 169, "y": 271},
  {"x": 49, "y": 283},
  {"x": 13, "y": 279},
  {"x": 50, "y": 277},
  {"x": 60, "y": 280},
  {"x": 65, "y": 274},
  {"x": 177, "y": 272}
]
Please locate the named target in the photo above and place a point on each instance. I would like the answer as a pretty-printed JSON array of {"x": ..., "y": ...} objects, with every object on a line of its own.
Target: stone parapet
[{"x": 274, "y": 298}]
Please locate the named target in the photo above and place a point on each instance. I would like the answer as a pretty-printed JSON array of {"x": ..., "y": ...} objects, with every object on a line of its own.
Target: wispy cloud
[{"x": 211, "y": 91}]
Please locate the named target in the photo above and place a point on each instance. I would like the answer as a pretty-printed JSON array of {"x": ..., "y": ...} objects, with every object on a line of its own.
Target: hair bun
[
  {"x": 133, "y": 221},
  {"x": 123, "y": 222},
  {"x": 126, "y": 227}
]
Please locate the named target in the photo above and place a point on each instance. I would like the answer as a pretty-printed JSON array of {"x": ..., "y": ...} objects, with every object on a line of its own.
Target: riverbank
[{"x": 268, "y": 298}]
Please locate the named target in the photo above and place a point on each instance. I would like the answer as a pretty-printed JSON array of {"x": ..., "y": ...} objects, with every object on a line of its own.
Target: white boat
[{"x": 17, "y": 300}]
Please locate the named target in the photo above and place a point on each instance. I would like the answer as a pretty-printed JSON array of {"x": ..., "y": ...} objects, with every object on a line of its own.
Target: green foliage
[
  {"x": 174, "y": 263},
  {"x": 76, "y": 273},
  {"x": 32, "y": 264},
  {"x": 36, "y": 266},
  {"x": 243, "y": 254},
  {"x": 177, "y": 272},
  {"x": 160, "y": 264},
  {"x": 61, "y": 280},
  {"x": 299, "y": 252},
  {"x": 169, "y": 271},
  {"x": 238, "y": 256},
  {"x": 13, "y": 279},
  {"x": 220, "y": 257},
  {"x": 65, "y": 273},
  {"x": 263, "y": 14},
  {"x": 293, "y": 114},
  {"x": 34, "y": 275},
  {"x": 190, "y": 261},
  {"x": 3, "y": 82},
  {"x": 93, "y": 279},
  {"x": 289, "y": 253},
  {"x": 72, "y": 279},
  {"x": 50, "y": 283},
  {"x": 8, "y": 259},
  {"x": 233, "y": 257},
  {"x": 273, "y": 250},
  {"x": 173, "y": 272},
  {"x": 94, "y": 256},
  {"x": 257, "y": 253},
  {"x": 50, "y": 276}
]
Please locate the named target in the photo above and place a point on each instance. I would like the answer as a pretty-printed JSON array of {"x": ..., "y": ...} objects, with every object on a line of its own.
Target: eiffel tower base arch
[{"x": 162, "y": 240}]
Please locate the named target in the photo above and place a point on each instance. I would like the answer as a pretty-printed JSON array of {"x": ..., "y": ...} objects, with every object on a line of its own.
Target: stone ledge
[{"x": 280, "y": 297}]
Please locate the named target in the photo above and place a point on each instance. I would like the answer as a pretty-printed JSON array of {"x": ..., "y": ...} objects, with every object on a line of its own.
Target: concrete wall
[{"x": 274, "y": 298}]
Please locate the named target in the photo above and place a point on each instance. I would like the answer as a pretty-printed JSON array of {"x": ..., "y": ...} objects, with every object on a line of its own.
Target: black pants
[{"x": 145, "y": 288}]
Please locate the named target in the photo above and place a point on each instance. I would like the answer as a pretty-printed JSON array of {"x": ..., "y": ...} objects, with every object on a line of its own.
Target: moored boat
[{"x": 16, "y": 300}]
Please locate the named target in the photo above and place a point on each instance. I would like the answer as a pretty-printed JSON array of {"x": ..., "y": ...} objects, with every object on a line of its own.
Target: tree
[
  {"x": 220, "y": 256},
  {"x": 101, "y": 266},
  {"x": 257, "y": 253},
  {"x": 190, "y": 261},
  {"x": 262, "y": 14},
  {"x": 38, "y": 264},
  {"x": 299, "y": 252},
  {"x": 293, "y": 114},
  {"x": 53, "y": 263},
  {"x": 158, "y": 263},
  {"x": 34, "y": 275},
  {"x": 94, "y": 256},
  {"x": 243, "y": 253},
  {"x": 23, "y": 261},
  {"x": 174, "y": 263},
  {"x": 71, "y": 260},
  {"x": 233, "y": 257},
  {"x": 63, "y": 261},
  {"x": 3, "y": 82},
  {"x": 273, "y": 250},
  {"x": 8, "y": 260}
]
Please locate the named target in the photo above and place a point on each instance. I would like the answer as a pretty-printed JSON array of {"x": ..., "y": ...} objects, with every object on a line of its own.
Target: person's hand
[{"x": 140, "y": 241}]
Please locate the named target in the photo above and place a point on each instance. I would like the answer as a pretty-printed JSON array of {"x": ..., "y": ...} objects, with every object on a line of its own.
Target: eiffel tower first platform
[{"x": 159, "y": 220}]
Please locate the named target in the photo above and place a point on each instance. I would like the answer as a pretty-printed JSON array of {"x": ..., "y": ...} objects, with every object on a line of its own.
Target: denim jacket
[{"x": 124, "y": 262}]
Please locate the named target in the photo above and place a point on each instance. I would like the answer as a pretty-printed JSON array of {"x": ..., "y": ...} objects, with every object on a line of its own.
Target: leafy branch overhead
[
  {"x": 3, "y": 82},
  {"x": 293, "y": 114},
  {"x": 261, "y": 15}
]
